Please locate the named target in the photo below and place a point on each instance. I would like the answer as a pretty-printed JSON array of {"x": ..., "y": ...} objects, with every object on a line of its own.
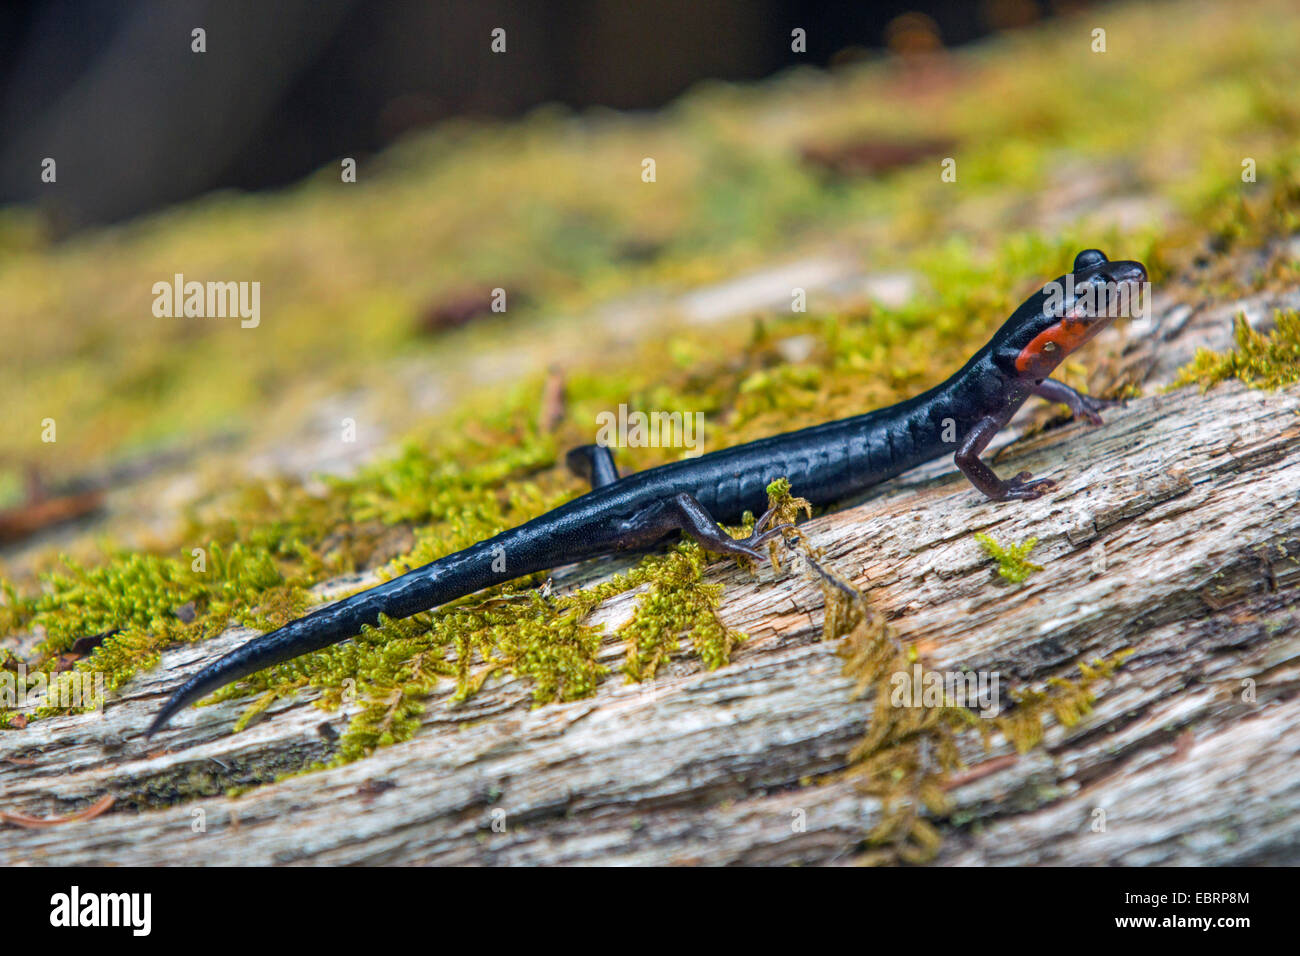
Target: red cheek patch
[{"x": 1066, "y": 335}]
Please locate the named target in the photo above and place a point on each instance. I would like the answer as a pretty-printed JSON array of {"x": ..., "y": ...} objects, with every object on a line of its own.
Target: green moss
[
  {"x": 678, "y": 602},
  {"x": 16, "y": 609},
  {"x": 909, "y": 753},
  {"x": 392, "y": 670},
  {"x": 1260, "y": 361},
  {"x": 1068, "y": 700},
  {"x": 1012, "y": 559},
  {"x": 786, "y": 508}
]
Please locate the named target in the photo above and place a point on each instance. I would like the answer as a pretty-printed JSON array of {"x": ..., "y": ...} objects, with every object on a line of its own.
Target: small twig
[
  {"x": 979, "y": 771},
  {"x": 92, "y": 811},
  {"x": 394, "y": 700},
  {"x": 553, "y": 402}
]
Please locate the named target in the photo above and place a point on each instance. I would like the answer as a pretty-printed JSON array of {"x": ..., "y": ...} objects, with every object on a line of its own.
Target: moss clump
[
  {"x": 1068, "y": 700},
  {"x": 16, "y": 609},
  {"x": 143, "y": 603},
  {"x": 909, "y": 753},
  {"x": 786, "y": 510},
  {"x": 1012, "y": 559},
  {"x": 677, "y": 603},
  {"x": 392, "y": 670},
  {"x": 1260, "y": 361}
]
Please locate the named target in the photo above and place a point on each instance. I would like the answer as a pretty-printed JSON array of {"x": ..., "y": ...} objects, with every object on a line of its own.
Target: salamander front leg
[
  {"x": 593, "y": 462},
  {"x": 1080, "y": 405},
  {"x": 1023, "y": 487},
  {"x": 683, "y": 512}
]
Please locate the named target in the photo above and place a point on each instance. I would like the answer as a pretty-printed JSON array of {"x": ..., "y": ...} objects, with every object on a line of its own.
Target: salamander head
[{"x": 1066, "y": 313}]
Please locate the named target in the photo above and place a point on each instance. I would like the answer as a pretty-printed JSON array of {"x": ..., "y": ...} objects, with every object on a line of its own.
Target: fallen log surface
[{"x": 1175, "y": 533}]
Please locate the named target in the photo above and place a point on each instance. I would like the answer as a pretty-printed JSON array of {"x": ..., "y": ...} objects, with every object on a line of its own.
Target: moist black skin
[{"x": 825, "y": 464}]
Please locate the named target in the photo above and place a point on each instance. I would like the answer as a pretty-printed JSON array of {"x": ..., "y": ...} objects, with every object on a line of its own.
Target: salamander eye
[{"x": 1088, "y": 259}]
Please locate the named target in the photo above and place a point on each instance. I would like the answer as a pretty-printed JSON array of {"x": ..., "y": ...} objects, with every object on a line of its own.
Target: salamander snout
[
  {"x": 1103, "y": 289},
  {"x": 1093, "y": 264},
  {"x": 1125, "y": 270}
]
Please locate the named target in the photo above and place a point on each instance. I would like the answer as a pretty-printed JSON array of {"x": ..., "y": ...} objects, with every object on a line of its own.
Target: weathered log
[{"x": 1176, "y": 533}]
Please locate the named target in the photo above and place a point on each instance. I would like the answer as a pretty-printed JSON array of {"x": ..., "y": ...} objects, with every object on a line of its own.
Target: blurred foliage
[{"x": 555, "y": 205}]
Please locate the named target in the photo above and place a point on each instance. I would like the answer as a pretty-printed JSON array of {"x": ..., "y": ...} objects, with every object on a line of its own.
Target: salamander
[{"x": 824, "y": 463}]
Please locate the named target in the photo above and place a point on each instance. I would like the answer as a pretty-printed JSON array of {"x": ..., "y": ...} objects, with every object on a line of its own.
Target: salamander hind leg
[
  {"x": 593, "y": 462},
  {"x": 699, "y": 524},
  {"x": 683, "y": 512}
]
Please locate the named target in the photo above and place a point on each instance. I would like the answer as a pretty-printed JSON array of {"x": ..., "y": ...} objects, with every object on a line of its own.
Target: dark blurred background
[{"x": 135, "y": 120}]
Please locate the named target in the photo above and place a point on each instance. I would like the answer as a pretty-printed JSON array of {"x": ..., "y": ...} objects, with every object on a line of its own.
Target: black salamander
[{"x": 825, "y": 464}]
